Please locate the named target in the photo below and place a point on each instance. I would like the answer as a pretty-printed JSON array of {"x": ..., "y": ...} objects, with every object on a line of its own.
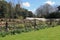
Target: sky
[{"x": 32, "y": 5}]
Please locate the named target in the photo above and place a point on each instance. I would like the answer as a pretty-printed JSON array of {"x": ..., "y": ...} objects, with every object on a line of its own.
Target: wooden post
[
  {"x": 34, "y": 22},
  {"x": 6, "y": 26}
]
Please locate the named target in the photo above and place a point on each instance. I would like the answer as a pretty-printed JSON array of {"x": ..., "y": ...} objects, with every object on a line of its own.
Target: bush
[
  {"x": 20, "y": 25},
  {"x": 3, "y": 34},
  {"x": 13, "y": 32},
  {"x": 18, "y": 31}
]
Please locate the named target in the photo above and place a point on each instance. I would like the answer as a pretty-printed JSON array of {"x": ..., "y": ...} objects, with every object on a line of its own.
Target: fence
[{"x": 26, "y": 24}]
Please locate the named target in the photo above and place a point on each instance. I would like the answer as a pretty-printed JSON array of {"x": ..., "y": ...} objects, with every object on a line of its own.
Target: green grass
[{"x": 44, "y": 34}]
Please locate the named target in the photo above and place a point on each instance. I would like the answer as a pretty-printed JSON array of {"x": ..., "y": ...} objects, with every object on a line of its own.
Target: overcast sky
[{"x": 32, "y": 5}]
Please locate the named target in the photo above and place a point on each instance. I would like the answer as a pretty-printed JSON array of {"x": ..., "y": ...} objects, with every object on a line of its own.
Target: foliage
[
  {"x": 9, "y": 11},
  {"x": 53, "y": 15},
  {"x": 58, "y": 8},
  {"x": 3, "y": 33},
  {"x": 45, "y": 34}
]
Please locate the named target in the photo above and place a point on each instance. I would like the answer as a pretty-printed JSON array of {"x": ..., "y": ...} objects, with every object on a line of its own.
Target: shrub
[
  {"x": 17, "y": 31},
  {"x": 13, "y": 32},
  {"x": 3, "y": 34},
  {"x": 20, "y": 25}
]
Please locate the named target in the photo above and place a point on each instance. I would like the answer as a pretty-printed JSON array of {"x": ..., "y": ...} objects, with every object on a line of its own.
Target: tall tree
[{"x": 58, "y": 8}]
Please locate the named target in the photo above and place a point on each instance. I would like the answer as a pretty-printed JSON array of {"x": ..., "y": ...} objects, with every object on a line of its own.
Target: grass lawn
[{"x": 44, "y": 34}]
